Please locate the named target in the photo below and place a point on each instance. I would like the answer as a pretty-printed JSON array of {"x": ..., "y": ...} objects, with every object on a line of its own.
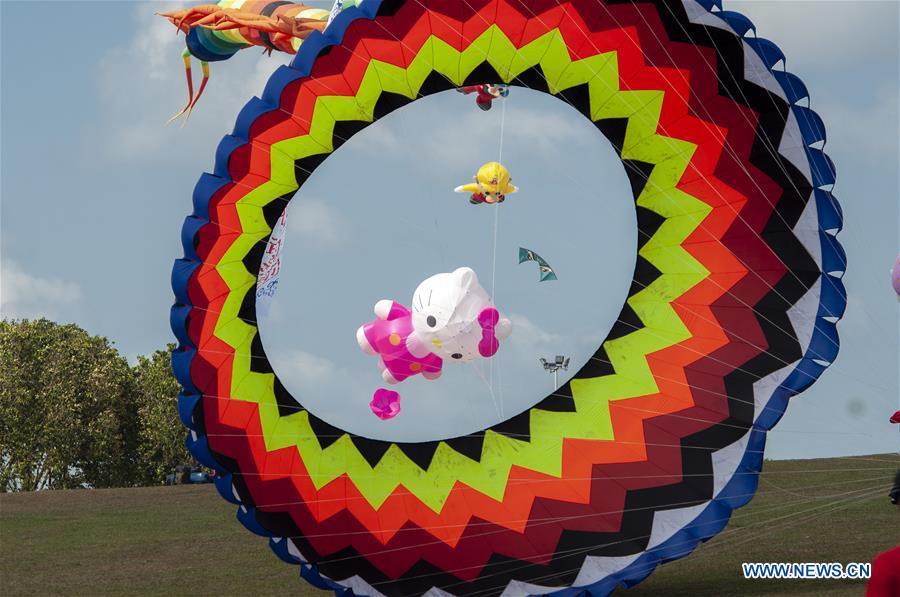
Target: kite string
[
  {"x": 502, "y": 129},
  {"x": 494, "y": 264}
]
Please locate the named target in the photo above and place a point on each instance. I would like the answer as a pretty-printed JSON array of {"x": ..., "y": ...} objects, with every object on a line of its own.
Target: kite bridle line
[{"x": 500, "y": 411}]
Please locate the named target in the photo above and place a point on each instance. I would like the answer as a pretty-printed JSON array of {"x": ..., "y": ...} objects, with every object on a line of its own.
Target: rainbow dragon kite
[{"x": 216, "y": 32}]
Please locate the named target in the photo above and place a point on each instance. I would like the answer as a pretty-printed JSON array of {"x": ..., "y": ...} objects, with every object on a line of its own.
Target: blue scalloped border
[
  {"x": 736, "y": 493},
  {"x": 207, "y": 186}
]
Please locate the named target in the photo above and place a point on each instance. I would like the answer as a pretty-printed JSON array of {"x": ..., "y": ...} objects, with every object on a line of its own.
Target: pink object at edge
[{"x": 895, "y": 276}]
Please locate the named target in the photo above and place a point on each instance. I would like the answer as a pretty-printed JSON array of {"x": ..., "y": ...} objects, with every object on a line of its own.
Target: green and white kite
[{"x": 547, "y": 272}]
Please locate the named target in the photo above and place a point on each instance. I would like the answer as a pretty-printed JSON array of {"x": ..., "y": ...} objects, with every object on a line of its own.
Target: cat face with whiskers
[{"x": 445, "y": 310}]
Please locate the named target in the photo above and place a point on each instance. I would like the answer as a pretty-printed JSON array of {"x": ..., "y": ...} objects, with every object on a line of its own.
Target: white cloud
[
  {"x": 824, "y": 34},
  {"x": 546, "y": 129},
  {"x": 868, "y": 132},
  {"x": 315, "y": 220},
  {"x": 447, "y": 133},
  {"x": 137, "y": 101},
  {"x": 155, "y": 40},
  {"x": 383, "y": 136},
  {"x": 303, "y": 368},
  {"x": 528, "y": 335},
  {"x": 23, "y": 295},
  {"x": 529, "y": 341},
  {"x": 319, "y": 384},
  {"x": 142, "y": 84}
]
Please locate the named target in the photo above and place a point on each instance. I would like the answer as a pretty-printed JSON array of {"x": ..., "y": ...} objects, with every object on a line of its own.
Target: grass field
[{"x": 185, "y": 539}]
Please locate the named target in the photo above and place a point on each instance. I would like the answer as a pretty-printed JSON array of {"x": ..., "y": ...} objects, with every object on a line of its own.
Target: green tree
[
  {"x": 161, "y": 438},
  {"x": 67, "y": 415}
]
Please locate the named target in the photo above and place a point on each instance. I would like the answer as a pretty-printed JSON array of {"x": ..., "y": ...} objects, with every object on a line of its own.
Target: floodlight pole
[{"x": 560, "y": 362}]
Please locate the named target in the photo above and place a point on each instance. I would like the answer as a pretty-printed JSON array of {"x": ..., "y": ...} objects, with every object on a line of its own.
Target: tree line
[{"x": 74, "y": 413}]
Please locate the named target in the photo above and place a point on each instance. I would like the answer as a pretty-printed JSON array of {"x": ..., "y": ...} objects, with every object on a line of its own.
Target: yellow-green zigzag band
[{"x": 543, "y": 453}]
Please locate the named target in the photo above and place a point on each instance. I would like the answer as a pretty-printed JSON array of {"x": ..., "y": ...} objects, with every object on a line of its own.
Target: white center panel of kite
[{"x": 379, "y": 216}]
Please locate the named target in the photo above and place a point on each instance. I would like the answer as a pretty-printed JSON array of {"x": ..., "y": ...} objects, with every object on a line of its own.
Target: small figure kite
[
  {"x": 492, "y": 185},
  {"x": 547, "y": 272},
  {"x": 487, "y": 93}
]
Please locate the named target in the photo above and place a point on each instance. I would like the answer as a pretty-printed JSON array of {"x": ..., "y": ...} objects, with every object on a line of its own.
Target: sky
[{"x": 94, "y": 188}]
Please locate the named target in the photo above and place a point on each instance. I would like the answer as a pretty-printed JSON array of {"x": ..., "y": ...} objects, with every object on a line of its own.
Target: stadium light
[{"x": 559, "y": 362}]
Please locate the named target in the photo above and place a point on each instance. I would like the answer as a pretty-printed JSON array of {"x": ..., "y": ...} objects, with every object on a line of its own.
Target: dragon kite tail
[{"x": 192, "y": 100}]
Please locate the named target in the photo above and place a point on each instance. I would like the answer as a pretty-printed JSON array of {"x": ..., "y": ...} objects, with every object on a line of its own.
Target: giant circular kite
[{"x": 643, "y": 453}]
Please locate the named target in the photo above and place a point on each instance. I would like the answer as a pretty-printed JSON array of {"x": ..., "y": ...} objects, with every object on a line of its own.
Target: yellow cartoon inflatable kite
[{"x": 492, "y": 184}]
